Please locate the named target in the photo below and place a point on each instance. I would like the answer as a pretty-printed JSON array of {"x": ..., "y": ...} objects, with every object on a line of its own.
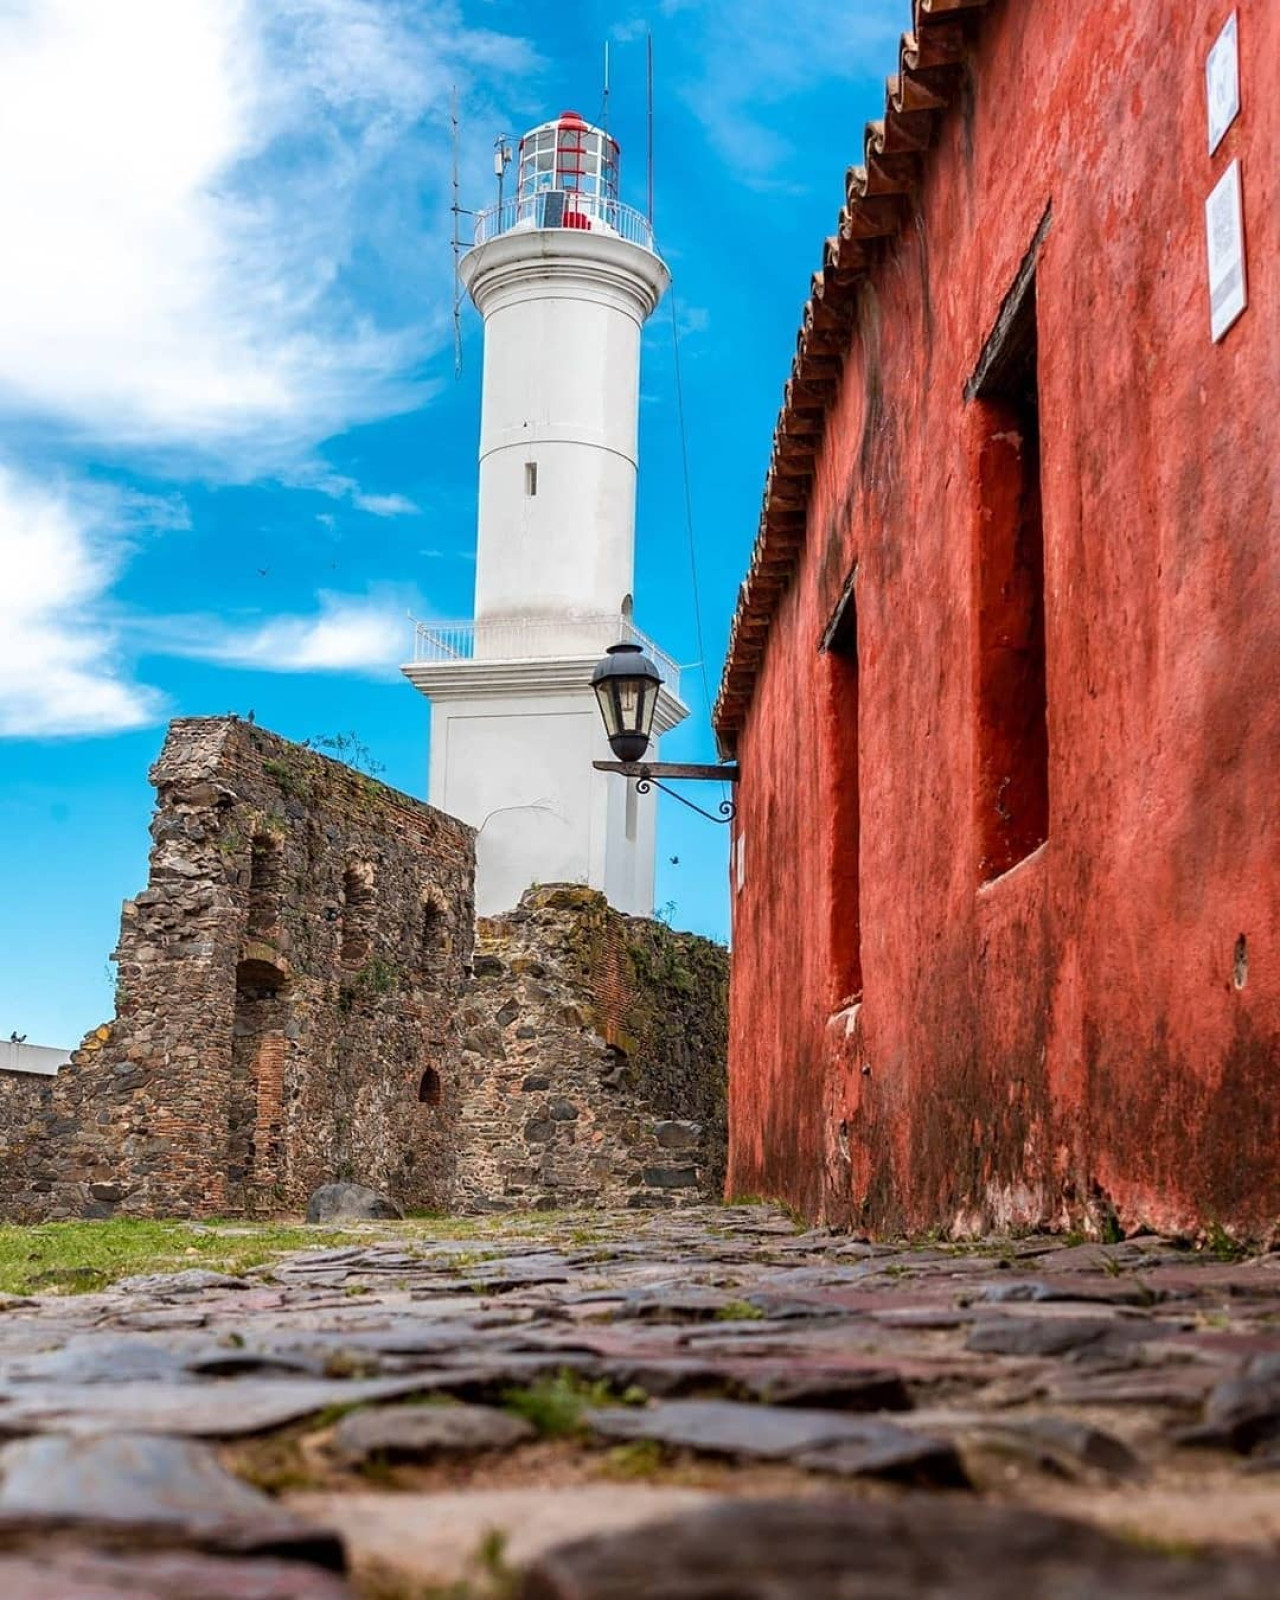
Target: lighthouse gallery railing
[
  {"x": 565, "y": 208},
  {"x": 532, "y": 638}
]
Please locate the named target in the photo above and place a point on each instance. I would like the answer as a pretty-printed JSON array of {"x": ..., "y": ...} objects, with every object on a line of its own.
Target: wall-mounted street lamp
[{"x": 626, "y": 683}]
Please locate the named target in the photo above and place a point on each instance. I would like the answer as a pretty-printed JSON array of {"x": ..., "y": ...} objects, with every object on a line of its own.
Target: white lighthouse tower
[{"x": 564, "y": 276}]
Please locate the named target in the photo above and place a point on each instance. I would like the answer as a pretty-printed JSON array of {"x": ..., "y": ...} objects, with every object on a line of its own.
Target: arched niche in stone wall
[{"x": 359, "y": 909}]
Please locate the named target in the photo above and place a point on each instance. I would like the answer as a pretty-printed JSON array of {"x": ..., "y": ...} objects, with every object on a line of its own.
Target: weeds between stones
[
  {"x": 738, "y": 1311},
  {"x": 557, "y": 1405}
]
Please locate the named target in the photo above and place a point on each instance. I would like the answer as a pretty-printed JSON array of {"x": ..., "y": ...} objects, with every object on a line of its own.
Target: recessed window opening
[
  {"x": 430, "y": 1089},
  {"x": 265, "y": 871},
  {"x": 358, "y": 909},
  {"x": 255, "y": 1090},
  {"x": 1011, "y": 689},
  {"x": 840, "y": 663},
  {"x": 434, "y": 941},
  {"x": 531, "y": 478}
]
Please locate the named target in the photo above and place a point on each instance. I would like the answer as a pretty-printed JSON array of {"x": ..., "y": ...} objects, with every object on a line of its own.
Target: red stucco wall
[{"x": 1069, "y": 1039}]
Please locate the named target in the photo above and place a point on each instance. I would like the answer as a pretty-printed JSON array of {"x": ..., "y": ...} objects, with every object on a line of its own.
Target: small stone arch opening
[
  {"x": 259, "y": 980},
  {"x": 430, "y": 1088},
  {"x": 359, "y": 904}
]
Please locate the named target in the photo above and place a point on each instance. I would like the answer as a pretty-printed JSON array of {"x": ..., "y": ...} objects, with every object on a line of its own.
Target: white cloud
[
  {"x": 211, "y": 210},
  {"x": 340, "y": 487},
  {"x": 67, "y": 663},
  {"x": 224, "y": 242},
  {"x": 363, "y": 634},
  {"x": 384, "y": 505},
  {"x": 60, "y": 668}
]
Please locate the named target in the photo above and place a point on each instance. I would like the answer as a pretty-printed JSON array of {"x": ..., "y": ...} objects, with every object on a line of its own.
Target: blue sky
[{"x": 233, "y": 452}]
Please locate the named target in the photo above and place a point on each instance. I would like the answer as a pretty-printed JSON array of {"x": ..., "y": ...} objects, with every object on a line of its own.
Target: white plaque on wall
[
  {"x": 1224, "y": 230},
  {"x": 1222, "y": 81}
]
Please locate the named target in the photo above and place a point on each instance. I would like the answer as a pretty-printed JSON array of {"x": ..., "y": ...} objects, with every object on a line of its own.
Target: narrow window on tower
[
  {"x": 1008, "y": 566},
  {"x": 531, "y": 477},
  {"x": 839, "y": 660}
]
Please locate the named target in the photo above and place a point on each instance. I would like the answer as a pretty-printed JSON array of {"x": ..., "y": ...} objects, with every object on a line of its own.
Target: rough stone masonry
[
  {"x": 593, "y": 1059},
  {"x": 297, "y": 1004},
  {"x": 287, "y": 984}
]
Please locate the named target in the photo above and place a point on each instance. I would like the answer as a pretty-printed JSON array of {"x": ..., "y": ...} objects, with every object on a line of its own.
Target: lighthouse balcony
[
  {"x": 565, "y": 208},
  {"x": 535, "y": 639}
]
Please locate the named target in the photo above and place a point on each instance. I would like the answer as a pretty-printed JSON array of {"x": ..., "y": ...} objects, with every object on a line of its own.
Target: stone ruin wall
[
  {"x": 287, "y": 989},
  {"x": 593, "y": 1060},
  {"x": 297, "y": 1003}
]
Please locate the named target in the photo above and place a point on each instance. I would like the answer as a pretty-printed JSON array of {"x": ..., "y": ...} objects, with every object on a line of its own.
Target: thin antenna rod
[
  {"x": 457, "y": 242},
  {"x": 604, "y": 104},
  {"x": 649, "y": 74},
  {"x": 501, "y": 161}
]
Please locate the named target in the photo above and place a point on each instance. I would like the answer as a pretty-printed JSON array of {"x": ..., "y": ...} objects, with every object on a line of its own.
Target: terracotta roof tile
[{"x": 929, "y": 58}]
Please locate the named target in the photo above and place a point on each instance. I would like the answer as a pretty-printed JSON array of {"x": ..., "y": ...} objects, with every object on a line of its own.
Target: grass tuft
[
  {"x": 738, "y": 1311},
  {"x": 556, "y": 1405}
]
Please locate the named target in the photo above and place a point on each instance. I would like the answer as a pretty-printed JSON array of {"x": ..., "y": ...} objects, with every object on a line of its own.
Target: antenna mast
[
  {"x": 604, "y": 103},
  {"x": 456, "y": 208},
  {"x": 648, "y": 44}
]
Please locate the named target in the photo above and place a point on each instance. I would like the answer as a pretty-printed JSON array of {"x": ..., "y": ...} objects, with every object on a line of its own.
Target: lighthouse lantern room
[
  {"x": 569, "y": 157},
  {"x": 564, "y": 276}
]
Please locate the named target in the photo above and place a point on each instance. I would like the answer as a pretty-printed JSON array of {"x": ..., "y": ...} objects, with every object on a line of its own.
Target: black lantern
[{"x": 626, "y": 683}]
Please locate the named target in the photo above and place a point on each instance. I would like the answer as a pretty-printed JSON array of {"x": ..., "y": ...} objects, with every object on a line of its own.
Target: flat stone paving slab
[
  {"x": 917, "y": 1549},
  {"x": 83, "y": 1574},
  {"x": 437, "y": 1539},
  {"x": 1134, "y": 1386},
  {"x": 408, "y": 1433},
  {"x": 220, "y": 1408},
  {"x": 825, "y": 1441}
]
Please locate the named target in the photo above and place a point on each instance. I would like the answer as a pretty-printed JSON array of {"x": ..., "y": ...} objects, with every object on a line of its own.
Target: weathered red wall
[{"x": 1069, "y": 1038}]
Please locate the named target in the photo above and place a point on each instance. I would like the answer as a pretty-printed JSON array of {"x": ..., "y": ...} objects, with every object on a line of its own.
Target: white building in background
[
  {"x": 19, "y": 1056},
  {"x": 564, "y": 276}
]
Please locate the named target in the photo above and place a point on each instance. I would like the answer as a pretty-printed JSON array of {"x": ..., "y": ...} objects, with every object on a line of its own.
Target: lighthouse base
[{"x": 512, "y": 746}]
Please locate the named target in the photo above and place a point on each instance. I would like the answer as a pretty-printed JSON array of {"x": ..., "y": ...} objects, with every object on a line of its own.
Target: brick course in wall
[
  {"x": 592, "y": 1067},
  {"x": 287, "y": 989}
]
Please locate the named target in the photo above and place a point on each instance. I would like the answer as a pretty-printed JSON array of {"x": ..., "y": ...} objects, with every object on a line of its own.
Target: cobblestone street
[{"x": 700, "y": 1404}]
